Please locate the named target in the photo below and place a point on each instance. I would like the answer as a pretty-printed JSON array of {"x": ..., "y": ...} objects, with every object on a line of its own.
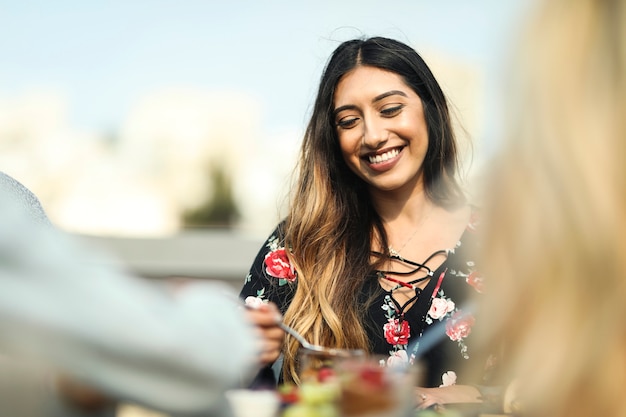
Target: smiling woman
[
  {"x": 378, "y": 130},
  {"x": 377, "y": 170}
]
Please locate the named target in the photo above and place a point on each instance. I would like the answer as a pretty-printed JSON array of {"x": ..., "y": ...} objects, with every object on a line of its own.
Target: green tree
[{"x": 219, "y": 209}]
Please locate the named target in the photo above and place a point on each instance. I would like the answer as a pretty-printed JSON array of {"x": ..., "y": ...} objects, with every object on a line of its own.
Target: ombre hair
[{"x": 332, "y": 225}]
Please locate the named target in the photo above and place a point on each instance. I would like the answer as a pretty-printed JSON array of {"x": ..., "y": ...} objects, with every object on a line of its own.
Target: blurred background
[{"x": 165, "y": 132}]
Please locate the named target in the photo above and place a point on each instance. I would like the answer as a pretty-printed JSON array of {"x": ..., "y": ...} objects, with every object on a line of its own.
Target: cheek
[{"x": 349, "y": 148}]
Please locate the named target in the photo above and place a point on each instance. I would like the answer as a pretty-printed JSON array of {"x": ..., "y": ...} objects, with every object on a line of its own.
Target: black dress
[{"x": 436, "y": 329}]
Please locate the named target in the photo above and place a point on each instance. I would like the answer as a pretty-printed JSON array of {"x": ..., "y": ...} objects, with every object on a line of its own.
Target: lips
[{"x": 382, "y": 157}]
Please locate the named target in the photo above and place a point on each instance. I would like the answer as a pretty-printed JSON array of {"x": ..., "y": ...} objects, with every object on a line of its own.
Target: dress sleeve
[{"x": 271, "y": 277}]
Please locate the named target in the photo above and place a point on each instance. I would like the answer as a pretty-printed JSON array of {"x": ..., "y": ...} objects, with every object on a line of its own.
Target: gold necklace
[{"x": 396, "y": 252}]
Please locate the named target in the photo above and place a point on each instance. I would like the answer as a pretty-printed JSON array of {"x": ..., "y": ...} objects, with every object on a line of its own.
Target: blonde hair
[{"x": 555, "y": 238}]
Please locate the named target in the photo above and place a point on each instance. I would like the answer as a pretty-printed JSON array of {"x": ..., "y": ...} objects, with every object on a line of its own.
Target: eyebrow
[{"x": 374, "y": 100}]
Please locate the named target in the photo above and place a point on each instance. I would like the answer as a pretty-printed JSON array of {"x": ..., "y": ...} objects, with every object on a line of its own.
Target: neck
[
  {"x": 393, "y": 203},
  {"x": 408, "y": 222},
  {"x": 406, "y": 211}
]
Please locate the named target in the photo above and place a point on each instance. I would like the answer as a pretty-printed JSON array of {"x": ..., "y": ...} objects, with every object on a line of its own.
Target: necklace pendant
[{"x": 394, "y": 252}]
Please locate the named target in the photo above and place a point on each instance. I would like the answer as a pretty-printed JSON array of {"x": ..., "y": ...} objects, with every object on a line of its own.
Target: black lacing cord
[{"x": 409, "y": 284}]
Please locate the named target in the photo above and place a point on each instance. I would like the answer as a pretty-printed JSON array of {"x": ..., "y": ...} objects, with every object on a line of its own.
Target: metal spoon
[
  {"x": 310, "y": 346},
  {"x": 317, "y": 348}
]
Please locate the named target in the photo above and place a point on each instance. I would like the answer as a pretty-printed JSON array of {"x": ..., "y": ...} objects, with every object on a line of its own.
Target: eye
[
  {"x": 392, "y": 110},
  {"x": 347, "y": 122}
]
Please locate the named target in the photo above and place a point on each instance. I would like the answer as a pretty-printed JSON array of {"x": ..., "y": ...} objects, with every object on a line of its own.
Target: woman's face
[{"x": 381, "y": 128}]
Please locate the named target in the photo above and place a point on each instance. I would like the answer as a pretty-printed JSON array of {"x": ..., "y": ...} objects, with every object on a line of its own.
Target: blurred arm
[{"x": 61, "y": 306}]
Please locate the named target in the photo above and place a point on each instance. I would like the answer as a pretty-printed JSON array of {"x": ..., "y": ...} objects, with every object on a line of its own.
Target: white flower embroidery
[
  {"x": 398, "y": 357},
  {"x": 440, "y": 307},
  {"x": 254, "y": 302},
  {"x": 449, "y": 378}
]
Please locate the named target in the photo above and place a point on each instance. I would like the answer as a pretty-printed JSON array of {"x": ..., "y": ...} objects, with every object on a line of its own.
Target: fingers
[
  {"x": 437, "y": 397},
  {"x": 266, "y": 317},
  {"x": 269, "y": 353},
  {"x": 422, "y": 401},
  {"x": 425, "y": 400},
  {"x": 79, "y": 395},
  {"x": 272, "y": 343}
]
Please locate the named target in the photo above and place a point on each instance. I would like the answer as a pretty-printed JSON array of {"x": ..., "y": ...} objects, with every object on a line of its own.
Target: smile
[{"x": 377, "y": 159}]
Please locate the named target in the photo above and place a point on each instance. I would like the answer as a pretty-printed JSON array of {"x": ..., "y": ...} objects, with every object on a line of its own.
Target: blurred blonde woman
[{"x": 556, "y": 236}]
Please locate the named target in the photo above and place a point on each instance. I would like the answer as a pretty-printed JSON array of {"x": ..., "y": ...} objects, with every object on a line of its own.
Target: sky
[
  {"x": 103, "y": 56},
  {"x": 167, "y": 79}
]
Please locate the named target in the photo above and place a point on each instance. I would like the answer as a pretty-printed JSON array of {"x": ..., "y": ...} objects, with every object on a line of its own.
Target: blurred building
[
  {"x": 138, "y": 182},
  {"x": 219, "y": 255}
]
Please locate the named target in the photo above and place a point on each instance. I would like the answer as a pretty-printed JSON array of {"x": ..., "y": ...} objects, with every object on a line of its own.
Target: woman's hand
[
  {"x": 81, "y": 396},
  {"x": 265, "y": 318},
  {"x": 427, "y": 397}
]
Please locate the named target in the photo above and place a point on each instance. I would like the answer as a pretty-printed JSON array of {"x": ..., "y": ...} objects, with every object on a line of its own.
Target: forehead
[{"x": 365, "y": 83}]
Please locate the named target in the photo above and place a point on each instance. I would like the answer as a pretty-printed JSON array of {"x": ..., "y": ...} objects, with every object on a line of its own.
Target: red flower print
[
  {"x": 277, "y": 265},
  {"x": 459, "y": 326},
  {"x": 397, "y": 332},
  {"x": 475, "y": 280}
]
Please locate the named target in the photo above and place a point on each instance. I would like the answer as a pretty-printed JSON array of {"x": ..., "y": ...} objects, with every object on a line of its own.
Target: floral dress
[{"x": 436, "y": 329}]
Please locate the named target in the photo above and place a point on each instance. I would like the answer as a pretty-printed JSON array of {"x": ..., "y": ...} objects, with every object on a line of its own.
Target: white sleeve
[{"x": 61, "y": 306}]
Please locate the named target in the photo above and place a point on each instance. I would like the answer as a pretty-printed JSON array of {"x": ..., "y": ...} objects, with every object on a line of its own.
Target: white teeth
[{"x": 383, "y": 157}]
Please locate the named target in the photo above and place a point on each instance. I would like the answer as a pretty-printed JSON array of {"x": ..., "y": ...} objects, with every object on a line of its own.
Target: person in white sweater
[{"x": 62, "y": 310}]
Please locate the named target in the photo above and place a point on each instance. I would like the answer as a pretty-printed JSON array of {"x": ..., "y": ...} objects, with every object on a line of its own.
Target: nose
[{"x": 374, "y": 133}]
